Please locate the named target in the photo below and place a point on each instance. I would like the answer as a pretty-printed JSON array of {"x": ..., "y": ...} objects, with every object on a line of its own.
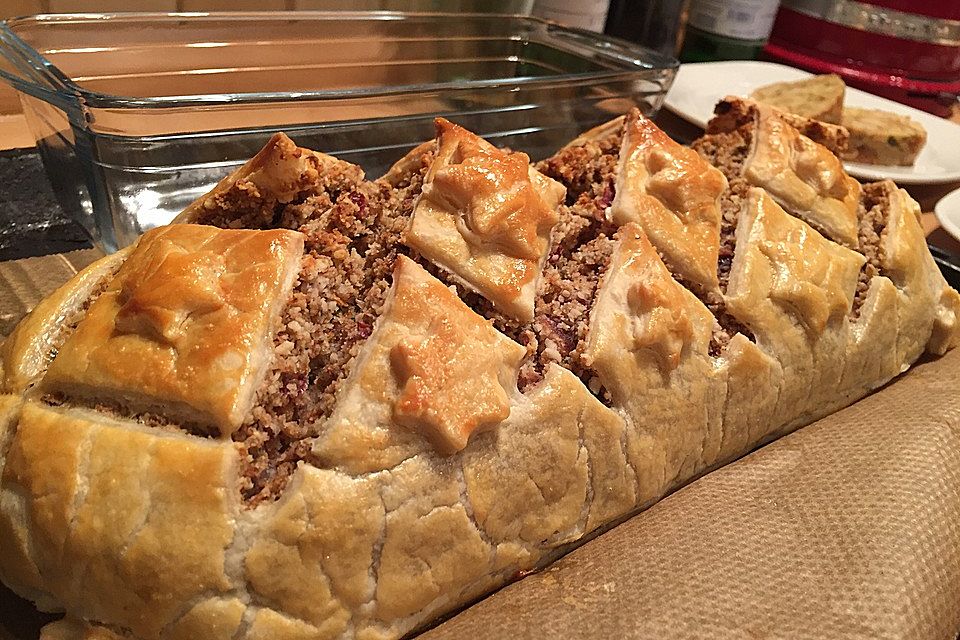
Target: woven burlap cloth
[{"x": 848, "y": 528}]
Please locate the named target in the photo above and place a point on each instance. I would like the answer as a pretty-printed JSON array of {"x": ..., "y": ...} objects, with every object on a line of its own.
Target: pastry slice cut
[
  {"x": 818, "y": 97},
  {"x": 792, "y": 158},
  {"x": 881, "y": 137},
  {"x": 632, "y": 172},
  {"x": 928, "y": 309},
  {"x": 649, "y": 339},
  {"x": 670, "y": 252},
  {"x": 732, "y": 112},
  {"x": 29, "y": 349},
  {"x": 794, "y": 289},
  {"x": 442, "y": 375},
  {"x": 254, "y": 195},
  {"x": 185, "y": 326},
  {"x": 674, "y": 195},
  {"x": 485, "y": 216},
  {"x": 549, "y": 314}
]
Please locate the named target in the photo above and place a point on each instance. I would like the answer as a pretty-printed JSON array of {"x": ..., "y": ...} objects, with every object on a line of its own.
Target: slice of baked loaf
[
  {"x": 792, "y": 157},
  {"x": 818, "y": 97},
  {"x": 881, "y": 137},
  {"x": 732, "y": 113}
]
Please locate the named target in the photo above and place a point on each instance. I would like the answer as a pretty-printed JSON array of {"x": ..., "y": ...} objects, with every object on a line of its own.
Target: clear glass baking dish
[{"x": 135, "y": 115}]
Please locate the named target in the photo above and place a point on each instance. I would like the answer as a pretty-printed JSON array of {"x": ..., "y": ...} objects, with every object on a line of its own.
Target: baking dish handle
[{"x": 28, "y": 72}]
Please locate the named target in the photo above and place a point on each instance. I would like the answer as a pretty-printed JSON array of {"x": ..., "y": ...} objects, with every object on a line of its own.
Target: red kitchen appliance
[{"x": 905, "y": 50}]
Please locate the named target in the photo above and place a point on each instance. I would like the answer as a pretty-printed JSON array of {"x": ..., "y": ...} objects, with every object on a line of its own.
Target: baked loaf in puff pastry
[{"x": 352, "y": 427}]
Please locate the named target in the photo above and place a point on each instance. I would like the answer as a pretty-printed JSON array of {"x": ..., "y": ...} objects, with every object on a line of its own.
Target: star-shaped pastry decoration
[
  {"x": 664, "y": 327},
  {"x": 432, "y": 374},
  {"x": 493, "y": 193},
  {"x": 805, "y": 284},
  {"x": 174, "y": 285},
  {"x": 674, "y": 195},
  {"x": 640, "y": 307},
  {"x": 449, "y": 364},
  {"x": 485, "y": 216},
  {"x": 784, "y": 266},
  {"x": 432, "y": 366},
  {"x": 447, "y": 391}
]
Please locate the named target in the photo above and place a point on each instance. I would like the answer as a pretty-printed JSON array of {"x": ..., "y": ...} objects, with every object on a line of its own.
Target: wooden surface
[{"x": 14, "y": 133}]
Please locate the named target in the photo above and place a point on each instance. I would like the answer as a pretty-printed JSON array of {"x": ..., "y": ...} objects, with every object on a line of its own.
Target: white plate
[
  {"x": 699, "y": 86},
  {"x": 948, "y": 213}
]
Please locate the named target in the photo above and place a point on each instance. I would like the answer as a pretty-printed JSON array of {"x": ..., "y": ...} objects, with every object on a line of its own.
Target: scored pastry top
[
  {"x": 432, "y": 365},
  {"x": 806, "y": 178},
  {"x": 388, "y": 467},
  {"x": 781, "y": 261},
  {"x": 643, "y": 311},
  {"x": 485, "y": 216},
  {"x": 451, "y": 370},
  {"x": 184, "y": 329},
  {"x": 674, "y": 195}
]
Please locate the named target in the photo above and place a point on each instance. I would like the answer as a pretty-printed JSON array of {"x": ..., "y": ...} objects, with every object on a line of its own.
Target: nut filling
[
  {"x": 589, "y": 168},
  {"x": 873, "y": 225},
  {"x": 581, "y": 246},
  {"x": 352, "y": 240},
  {"x": 589, "y": 171},
  {"x": 727, "y": 152}
]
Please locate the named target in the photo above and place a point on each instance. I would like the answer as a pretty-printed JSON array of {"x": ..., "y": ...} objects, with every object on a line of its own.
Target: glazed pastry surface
[{"x": 318, "y": 406}]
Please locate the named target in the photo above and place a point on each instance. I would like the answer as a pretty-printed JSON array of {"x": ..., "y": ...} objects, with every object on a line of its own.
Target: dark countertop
[{"x": 32, "y": 222}]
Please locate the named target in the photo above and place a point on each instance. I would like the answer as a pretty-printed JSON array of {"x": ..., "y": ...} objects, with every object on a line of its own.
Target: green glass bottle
[{"x": 727, "y": 29}]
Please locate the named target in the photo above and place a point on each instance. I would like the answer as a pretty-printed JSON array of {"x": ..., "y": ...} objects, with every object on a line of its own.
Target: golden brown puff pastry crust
[
  {"x": 794, "y": 289},
  {"x": 17, "y": 570},
  {"x": 28, "y": 350},
  {"x": 278, "y": 173},
  {"x": 185, "y": 327},
  {"x": 485, "y": 216},
  {"x": 71, "y": 629},
  {"x": 908, "y": 263},
  {"x": 674, "y": 195},
  {"x": 946, "y": 324},
  {"x": 443, "y": 373},
  {"x": 804, "y": 177},
  {"x": 732, "y": 112},
  {"x": 118, "y": 520},
  {"x": 435, "y": 480},
  {"x": 648, "y": 343}
]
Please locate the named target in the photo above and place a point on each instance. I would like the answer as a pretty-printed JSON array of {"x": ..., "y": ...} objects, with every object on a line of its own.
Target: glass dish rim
[{"x": 612, "y": 49}]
